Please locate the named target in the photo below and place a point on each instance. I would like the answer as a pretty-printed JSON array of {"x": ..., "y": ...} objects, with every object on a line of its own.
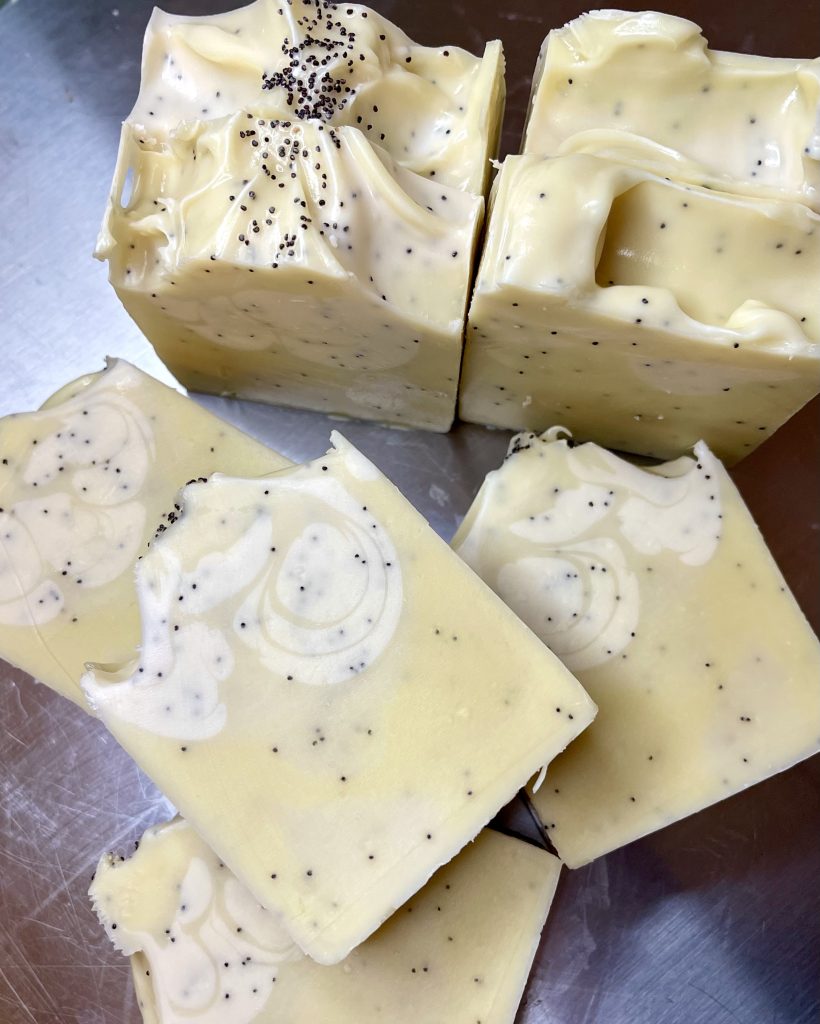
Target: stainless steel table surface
[{"x": 715, "y": 920}]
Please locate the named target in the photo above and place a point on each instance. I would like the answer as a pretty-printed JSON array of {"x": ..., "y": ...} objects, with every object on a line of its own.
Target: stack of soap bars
[
  {"x": 281, "y": 664},
  {"x": 337, "y": 702}
]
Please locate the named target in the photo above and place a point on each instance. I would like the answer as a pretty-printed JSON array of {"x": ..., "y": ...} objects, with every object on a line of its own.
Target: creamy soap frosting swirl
[
  {"x": 566, "y": 568},
  {"x": 582, "y": 600},
  {"x": 662, "y": 513},
  {"x": 290, "y": 569},
  {"x": 214, "y": 948},
  {"x": 325, "y": 610},
  {"x": 220, "y": 946},
  {"x": 86, "y": 534},
  {"x": 106, "y": 443}
]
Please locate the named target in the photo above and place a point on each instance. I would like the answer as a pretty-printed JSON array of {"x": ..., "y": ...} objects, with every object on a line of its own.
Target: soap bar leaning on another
[
  {"x": 85, "y": 481},
  {"x": 295, "y": 206},
  {"x": 643, "y": 88},
  {"x": 203, "y": 950},
  {"x": 642, "y": 313},
  {"x": 332, "y": 699},
  {"x": 656, "y": 589}
]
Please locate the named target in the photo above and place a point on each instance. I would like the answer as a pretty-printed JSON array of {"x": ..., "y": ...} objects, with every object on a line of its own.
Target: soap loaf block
[
  {"x": 202, "y": 948},
  {"x": 334, "y": 701},
  {"x": 295, "y": 206},
  {"x": 641, "y": 312},
  {"x": 656, "y": 589},
  {"x": 86, "y": 481},
  {"x": 644, "y": 88}
]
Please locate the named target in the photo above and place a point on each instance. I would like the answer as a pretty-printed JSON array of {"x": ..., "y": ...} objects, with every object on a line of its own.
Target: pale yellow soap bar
[
  {"x": 643, "y": 313},
  {"x": 332, "y": 699},
  {"x": 84, "y": 484},
  {"x": 203, "y": 950},
  {"x": 656, "y": 589},
  {"x": 644, "y": 88},
  {"x": 295, "y": 207}
]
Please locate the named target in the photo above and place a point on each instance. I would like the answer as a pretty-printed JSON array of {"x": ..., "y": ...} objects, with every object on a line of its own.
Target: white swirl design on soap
[
  {"x": 174, "y": 689},
  {"x": 662, "y": 513},
  {"x": 84, "y": 528},
  {"x": 582, "y": 600},
  {"x": 104, "y": 439},
  {"x": 573, "y": 584},
  {"x": 306, "y": 584},
  {"x": 222, "y": 946},
  {"x": 56, "y": 543},
  {"x": 27, "y": 595},
  {"x": 327, "y": 605}
]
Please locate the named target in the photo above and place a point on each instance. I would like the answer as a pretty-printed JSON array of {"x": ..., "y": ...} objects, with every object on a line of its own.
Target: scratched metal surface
[{"x": 715, "y": 920}]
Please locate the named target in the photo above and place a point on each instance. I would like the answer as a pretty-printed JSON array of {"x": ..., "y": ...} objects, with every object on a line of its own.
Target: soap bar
[
  {"x": 85, "y": 481},
  {"x": 203, "y": 949},
  {"x": 643, "y": 88},
  {"x": 332, "y": 699},
  {"x": 295, "y": 206},
  {"x": 642, "y": 313},
  {"x": 655, "y": 588}
]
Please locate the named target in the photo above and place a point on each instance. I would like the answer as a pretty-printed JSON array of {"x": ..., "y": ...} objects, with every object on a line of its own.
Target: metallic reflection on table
[{"x": 712, "y": 921}]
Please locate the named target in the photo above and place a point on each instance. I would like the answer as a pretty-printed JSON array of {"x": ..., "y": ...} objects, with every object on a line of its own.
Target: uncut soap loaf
[
  {"x": 85, "y": 482},
  {"x": 644, "y": 88},
  {"x": 203, "y": 950},
  {"x": 331, "y": 698},
  {"x": 642, "y": 312},
  {"x": 654, "y": 586},
  {"x": 295, "y": 206}
]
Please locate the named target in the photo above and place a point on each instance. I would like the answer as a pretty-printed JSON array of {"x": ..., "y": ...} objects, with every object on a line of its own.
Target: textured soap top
[
  {"x": 312, "y": 211},
  {"x": 603, "y": 236},
  {"x": 644, "y": 88},
  {"x": 316, "y": 663},
  {"x": 203, "y": 950},
  {"x": 654, "y": 586},
  {"x": 434, "y": 109},
  {"x": 85, "y": 481}
]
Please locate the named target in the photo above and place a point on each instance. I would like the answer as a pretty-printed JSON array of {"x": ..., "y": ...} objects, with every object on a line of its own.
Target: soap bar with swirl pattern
[
  {"x": 203, "y": 950},
  {"x": 643, "y": 88},
  {"x": 643, "y": 313},
  {"x": 307, "y": 187},
  {"x": 655, "y": 588},
  {"x": 332, "y": 699},
  {"x": 85, "y": 481}
]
